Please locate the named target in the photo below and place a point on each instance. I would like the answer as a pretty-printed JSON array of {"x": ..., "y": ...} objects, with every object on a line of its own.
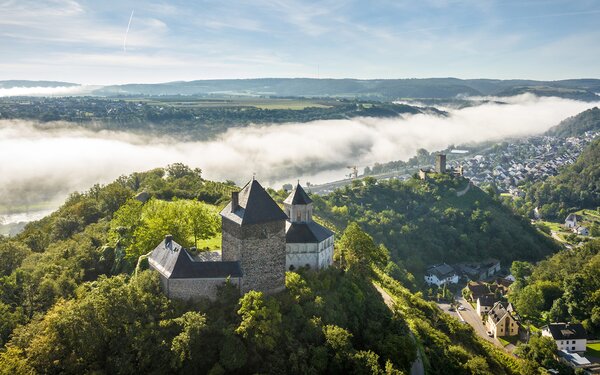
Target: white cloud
[{"x": 47, "y": 91}]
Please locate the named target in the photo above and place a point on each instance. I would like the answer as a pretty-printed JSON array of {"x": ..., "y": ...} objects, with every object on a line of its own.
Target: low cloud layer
[
  {"x": 42, "y": 163},
  {"x": 47, "y": 91}
]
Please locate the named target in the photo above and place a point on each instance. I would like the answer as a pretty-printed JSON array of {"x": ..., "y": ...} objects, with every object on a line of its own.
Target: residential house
[
  {"x": 485, "y": 304},
  {"x": 477, "y": 289},
  {"x": 571, "y": 221},
  {"x": 579, "y": 362},
  {"x": 568, "y": 336},
  {"x": 502, "y": 320},
  {"x": 482, "y": 270},
  {"x": 441, "y": 274},
  {"x": 582, "y": 231},
  {"x": 502, "y": 284}
]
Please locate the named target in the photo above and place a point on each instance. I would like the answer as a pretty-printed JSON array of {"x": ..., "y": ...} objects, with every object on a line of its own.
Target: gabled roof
[
  {"x": 174, "y": 262},
  {"x": 255, "y": 206},
  {"x": 504, "y": 282},
  {"x": 310, "y": 232},
  {"x": 478, "y": 289},
  {"x": 498, "y": 312},
  {"x": 487, "y": 300},
  {"x": 441, "y": 271},
  {"x": 566, "y": 331},
  {"x": 298, "y": 196}
]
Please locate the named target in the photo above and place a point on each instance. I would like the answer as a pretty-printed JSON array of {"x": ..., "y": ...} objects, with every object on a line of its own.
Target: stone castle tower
[
  {"x": 254, "y": 235},
  {"x": 440, "y": 163}
]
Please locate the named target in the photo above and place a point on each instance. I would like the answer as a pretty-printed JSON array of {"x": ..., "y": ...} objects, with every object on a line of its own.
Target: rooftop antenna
[{"x": 253, "y": 176}]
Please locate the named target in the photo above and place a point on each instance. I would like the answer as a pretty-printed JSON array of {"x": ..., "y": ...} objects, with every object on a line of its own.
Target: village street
[{"x": 469, "y": 316}]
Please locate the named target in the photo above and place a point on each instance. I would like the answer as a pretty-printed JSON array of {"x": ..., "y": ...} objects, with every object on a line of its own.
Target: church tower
[{"x": 254, "y": 235}]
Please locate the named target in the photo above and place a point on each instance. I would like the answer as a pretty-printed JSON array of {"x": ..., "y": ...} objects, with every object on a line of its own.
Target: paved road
[
  {"x": 445, "y": 307},
  {"x": 470, "y": 316},
  {"x": 417, "y": 366}
]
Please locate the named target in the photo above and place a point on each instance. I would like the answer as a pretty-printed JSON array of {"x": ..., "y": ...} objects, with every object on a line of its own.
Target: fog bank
[
  {"x": 47, "y": 91},
  {"x": 46, "y": 164}
]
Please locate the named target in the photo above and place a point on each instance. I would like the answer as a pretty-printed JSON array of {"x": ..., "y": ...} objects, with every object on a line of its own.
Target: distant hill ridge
[
  {"x": 581, "y": 89},
  {"x": 24, "y": 83}
]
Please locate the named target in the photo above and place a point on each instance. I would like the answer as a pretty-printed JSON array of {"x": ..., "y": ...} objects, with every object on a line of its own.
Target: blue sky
[{"x": 83, "y": 41}]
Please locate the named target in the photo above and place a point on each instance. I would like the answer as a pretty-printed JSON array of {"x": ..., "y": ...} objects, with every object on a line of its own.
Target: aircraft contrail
[{"x": 127, "y": 32}]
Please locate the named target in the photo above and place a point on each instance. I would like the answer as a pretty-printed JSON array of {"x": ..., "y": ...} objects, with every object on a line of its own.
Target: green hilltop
[
  {"x": 426, "y": 222},
  {"x": 70, "y": 301}
]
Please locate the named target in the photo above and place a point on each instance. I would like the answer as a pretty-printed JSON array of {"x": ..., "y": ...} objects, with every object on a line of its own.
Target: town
[{"x": 508, "y": 165}]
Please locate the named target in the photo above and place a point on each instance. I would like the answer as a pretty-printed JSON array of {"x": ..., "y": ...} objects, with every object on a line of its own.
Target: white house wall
[
  {"x": 316, "y": 256},
  {"x": 578, "y": 345}
]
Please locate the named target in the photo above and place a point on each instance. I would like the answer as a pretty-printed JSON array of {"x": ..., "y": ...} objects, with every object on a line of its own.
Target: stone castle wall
[
  {"x": 260, "y": 248},
  {"x": 231, "y": 242},
  {"x": 194, "y": 289}
]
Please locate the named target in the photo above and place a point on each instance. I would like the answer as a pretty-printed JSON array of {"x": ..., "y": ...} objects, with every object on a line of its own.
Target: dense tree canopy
[
  {"x": 563, "y": 287},
  {"x": 424, "y": 222},
  {"x": 69, "y": 304}
]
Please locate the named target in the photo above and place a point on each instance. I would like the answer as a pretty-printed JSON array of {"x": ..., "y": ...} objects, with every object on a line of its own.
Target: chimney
[
  {"x": 168, "y": 241},
  {"x": 235, "y": 204}
]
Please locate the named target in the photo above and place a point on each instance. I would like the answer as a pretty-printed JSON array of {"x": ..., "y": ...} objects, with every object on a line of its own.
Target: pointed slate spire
[
  {"x": 254, "y": 206},
  {"x": 298, "y": 196}
]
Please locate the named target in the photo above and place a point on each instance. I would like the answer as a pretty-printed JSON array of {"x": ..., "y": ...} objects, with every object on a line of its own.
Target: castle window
[{"x": 299, "y": 216}]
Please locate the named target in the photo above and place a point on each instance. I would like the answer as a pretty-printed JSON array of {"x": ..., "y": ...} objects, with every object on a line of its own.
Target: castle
[
  {"x": 259, "y": 243},
  {"x": 440, "y": 168}
]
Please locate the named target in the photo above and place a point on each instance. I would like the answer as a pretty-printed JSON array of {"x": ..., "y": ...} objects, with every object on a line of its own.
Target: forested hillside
[
  {"x": 424, "y": 222},
  {"x": 575, "y": 187},
  {"x": 70, "y": 301},
  {"x": 588, "y": 120},
  {"x": 563, "y": 288},
  {"x": 69, "y": 304}
]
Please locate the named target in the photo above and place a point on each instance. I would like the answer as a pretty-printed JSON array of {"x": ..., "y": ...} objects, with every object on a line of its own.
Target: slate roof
[
  {"x": 442, "y": 271},
  {"x": 255, "y": 206},
  {"x": 499, "y": 311},
  {"x": 174, "y": 262},
  {"x": 487, "y": 300},
  {"x": 566, "y": 331},
  {"x": 310, "y": 232},
  {"x": 298, "y": 196},
  {"x": 477, "y": 289}
]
